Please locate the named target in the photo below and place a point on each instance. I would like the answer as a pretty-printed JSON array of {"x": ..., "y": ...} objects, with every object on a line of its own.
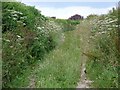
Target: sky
[{"x": 64, "y": 10}]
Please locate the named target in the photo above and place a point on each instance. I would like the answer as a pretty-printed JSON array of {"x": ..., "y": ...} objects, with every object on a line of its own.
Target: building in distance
[{"x": 76, "y": 17}]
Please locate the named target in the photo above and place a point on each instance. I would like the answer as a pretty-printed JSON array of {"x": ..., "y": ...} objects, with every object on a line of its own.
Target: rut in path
[{"x": 84, "y": 31}]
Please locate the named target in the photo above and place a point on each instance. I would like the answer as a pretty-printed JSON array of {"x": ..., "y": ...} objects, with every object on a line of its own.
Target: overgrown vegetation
[
  {"x": 60, "y": 69},
  {"x": 48, "y": 49},
  {"x": 102, "y": 66},
  {"x": 27, "y": 37},
  {"x": 68, "y": 25}
]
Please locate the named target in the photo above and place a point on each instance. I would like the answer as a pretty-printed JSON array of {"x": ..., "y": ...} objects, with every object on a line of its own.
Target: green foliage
[
  {"x": 27, "y": 37},
  {"x": 16, "y": 13},
  {"x": 14, "y": 55},
  {"x": 60, "y": 68},
  {"x": 68, "y": 25},
  {"x": 92, "y": 16},
  {"x": 104, "y": 41}
]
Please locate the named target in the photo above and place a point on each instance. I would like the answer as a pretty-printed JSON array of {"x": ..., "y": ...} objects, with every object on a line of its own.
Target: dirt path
[
  {"x": 60, "y": 68},
  {"x": 84, "y": 31}
]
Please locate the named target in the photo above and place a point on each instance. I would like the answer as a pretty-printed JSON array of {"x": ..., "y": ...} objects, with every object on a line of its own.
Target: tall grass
[
  {"x": 103, "y": 69},
  {"x": 60, "y": 68},
  {"x": 68, "y": 25},
  {"x": 27, "y": 37}
]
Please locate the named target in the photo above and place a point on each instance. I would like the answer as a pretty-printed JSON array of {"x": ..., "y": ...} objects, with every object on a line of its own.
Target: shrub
[
  {"x": 68, "y": 24},
  {"x": 27, "y": 37},
  {"x": 17, "y": 13},
  {"x": 103, "y": 39}
]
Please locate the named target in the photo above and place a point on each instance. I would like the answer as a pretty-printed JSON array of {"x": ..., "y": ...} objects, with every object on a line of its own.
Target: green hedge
[
  {"x": 27, "y": 37},
  {"x": 68, "y": 24},
  {"x": 103, "y": 69},
  {"x": 18, "y": 13}
]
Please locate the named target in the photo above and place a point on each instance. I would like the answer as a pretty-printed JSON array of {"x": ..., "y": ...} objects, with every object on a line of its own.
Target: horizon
[{"x": 64, "y": 10}]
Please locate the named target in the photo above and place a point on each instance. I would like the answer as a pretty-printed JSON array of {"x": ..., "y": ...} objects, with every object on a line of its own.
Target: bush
[
  {"x": 68, "y": 24},
  {"x": 27, "y": 37},
  {"x": 103, "y": 39},
  {"x": 16, "y": 13}
]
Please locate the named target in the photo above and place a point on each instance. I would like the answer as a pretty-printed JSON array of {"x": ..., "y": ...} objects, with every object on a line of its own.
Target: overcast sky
[{"x": 66, "y": 9}]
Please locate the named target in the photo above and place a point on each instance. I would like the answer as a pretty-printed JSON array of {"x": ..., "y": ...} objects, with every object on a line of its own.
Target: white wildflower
[
  {"x": 109, "y": 28},
  {"x": 11, "y": 46},
  {"x": 9, "y": 17},
  {"x": 91, "y": 37},
  {"x": 14, "y": 18},
  {"x": 19, "y": 12},
  {"x": 15, "y": 15},
  {"x": 39, "y": 28},
  {"x": 42, "y": 27},
  {"x": 113, "y": 21},
  {"x": 24, "y": 23},
  {"x": 103, "y": 32},
  {"x": 7, "y": 40},
  {"x": 9, "y": 10},
  {"x": 36, "y": 38},
  {"x": 18, "y": 36},
  {"x": 19, "y": 21},
  {"x": 21, "y": 17}
]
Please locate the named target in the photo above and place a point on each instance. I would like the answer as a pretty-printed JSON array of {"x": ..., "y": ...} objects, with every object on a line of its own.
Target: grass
[
  {"x": 61, "y": 66},
  {"x": 103, "y": 68},
  {"x": 59, "y": 69},
  {"x": 103, "y": 77}
]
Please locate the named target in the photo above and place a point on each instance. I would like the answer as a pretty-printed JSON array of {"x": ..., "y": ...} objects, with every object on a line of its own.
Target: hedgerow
[
  {"x": 103, "y": 67},
  {"x": 27, "y": 37},
  {"x": 68, "y": 25}
]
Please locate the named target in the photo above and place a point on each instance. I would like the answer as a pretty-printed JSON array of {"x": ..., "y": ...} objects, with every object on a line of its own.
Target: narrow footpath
[{"x": 84, "y": 31}]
